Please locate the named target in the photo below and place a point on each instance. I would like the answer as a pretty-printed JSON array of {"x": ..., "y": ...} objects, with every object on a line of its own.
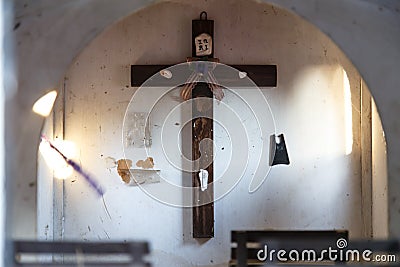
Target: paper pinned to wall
[{"x": 137, "y": 130}]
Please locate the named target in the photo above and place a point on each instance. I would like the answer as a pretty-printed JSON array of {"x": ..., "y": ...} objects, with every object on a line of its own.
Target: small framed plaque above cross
[{"x": 202, "y": 124}]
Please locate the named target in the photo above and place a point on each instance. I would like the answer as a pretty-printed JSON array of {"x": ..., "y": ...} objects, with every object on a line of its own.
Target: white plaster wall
[
  {"x": 51, "y": 35},
  {"x": 3, "y": 84},
  {"x": 369, "y": 33},
  {"x": 319, "y": 190},
  {"x": 380, "y": 212}
]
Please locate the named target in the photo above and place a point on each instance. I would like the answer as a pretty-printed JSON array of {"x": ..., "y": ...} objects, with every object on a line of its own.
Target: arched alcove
[
  {"x": 42, "y": 26},
  {"x": 318, "y": 104}
]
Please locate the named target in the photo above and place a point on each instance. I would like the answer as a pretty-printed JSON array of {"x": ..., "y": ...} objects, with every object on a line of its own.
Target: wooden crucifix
[
  {"x": 202, "y": 124},
  {"x": 202, "y": 128}
]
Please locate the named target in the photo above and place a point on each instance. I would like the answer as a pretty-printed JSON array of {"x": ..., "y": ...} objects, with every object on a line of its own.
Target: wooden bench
[{"x": 88, "y": 254}]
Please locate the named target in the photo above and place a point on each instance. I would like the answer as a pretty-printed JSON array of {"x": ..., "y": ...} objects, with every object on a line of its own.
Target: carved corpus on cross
[{"x": 205, "y": 68}]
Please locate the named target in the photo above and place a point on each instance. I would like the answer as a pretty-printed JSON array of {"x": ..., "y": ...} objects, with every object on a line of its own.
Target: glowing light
[
  {"x": 348, "y": 114},
  {"x": 44, "y": 105},
  {"x": 55, "y": 161}
]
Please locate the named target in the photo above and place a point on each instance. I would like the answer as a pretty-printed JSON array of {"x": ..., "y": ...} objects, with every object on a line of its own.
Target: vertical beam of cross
[{"x": 202, "y": 134}]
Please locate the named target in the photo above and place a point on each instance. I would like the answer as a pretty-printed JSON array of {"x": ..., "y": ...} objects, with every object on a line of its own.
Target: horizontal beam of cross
[{"x": 261, "y": 75}]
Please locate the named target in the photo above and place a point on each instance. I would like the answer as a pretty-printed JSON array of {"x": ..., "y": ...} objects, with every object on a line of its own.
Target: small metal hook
[{"x": 203, "y": 13}]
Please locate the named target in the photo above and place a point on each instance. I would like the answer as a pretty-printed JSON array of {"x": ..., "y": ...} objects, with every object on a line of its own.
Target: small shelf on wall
[{"x": 144, "y": 176}]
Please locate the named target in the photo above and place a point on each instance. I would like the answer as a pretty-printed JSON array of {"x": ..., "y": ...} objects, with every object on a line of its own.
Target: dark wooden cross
[{"x": 202, "y": 124}]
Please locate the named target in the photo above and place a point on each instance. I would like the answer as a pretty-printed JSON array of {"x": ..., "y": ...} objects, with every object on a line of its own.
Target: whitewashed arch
[{"x": 51, "y": 34}]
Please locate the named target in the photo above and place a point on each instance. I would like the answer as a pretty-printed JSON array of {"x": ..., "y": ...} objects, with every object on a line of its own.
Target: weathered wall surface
[{"x": 312, "y": 106}]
